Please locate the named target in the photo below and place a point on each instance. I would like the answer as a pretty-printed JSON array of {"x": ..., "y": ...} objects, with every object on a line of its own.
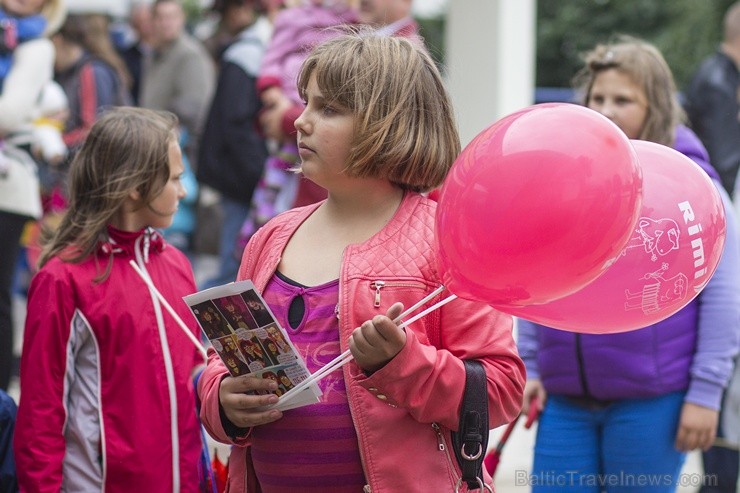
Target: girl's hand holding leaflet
[
  {"x": 241, "y": 408},
  {"x": 377, "y": 341}
]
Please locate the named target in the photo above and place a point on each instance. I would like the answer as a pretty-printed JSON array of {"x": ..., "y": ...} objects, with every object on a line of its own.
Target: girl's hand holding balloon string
[{"x": 377, "y": 341}]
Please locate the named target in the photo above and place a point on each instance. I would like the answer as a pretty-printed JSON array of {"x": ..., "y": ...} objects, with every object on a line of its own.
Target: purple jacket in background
[
  {"x": 691, "y": 350},
  {"x": 295, "y": 31}
]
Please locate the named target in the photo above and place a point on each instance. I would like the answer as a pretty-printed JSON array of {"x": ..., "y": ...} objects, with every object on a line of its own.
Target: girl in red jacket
[
  {"x": 107, "y": 397},
  {"x": 376, "y": 131}
]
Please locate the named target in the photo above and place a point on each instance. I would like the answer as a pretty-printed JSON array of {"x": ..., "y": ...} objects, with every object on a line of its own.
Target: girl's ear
[{"x": 134, "y": 195}]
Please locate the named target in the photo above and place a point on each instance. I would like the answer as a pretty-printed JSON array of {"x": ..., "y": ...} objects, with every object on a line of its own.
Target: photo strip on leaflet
[
  {"x": 244, "y": 332},
  {"x": 210, "y": 320},
  {"x": 257, "y": 307},
  {"x": 234, "y": 309}
]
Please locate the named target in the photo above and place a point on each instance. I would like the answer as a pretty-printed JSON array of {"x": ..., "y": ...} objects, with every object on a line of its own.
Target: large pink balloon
[
  {"x": 537, "y": 205},
  {"x": 673, "y": 251}
]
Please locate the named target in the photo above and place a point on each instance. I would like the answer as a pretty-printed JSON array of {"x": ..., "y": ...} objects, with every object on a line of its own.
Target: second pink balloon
[{"x": 672, "y": 253}]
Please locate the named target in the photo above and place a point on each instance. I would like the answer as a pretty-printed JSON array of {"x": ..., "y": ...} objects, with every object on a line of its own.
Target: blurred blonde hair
[
  {"x": 645, "y": 65},
  {"x": 405, "y": 127},
  {"x": 55, "y": 13}
]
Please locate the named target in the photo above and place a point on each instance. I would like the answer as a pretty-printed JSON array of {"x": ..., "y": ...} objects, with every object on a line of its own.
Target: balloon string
[
  {"x": 346, "y": 356},
  {"x": 428, "y": 310}
]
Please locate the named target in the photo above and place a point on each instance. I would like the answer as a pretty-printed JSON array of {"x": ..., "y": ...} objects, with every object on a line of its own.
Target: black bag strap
[{"x": 471, "y": 440}]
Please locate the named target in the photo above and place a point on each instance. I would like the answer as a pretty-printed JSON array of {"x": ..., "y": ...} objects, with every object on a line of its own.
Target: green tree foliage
[
  {"x": 684, "y": 30},
  {"x": 432, "y": 30},
  {"x": 193, "y": 11}
]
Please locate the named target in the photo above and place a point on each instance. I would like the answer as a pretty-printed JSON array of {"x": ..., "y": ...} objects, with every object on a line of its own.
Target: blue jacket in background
[
  {"x": 8, "y": 410},
  {"x": 185, "y": 218}
]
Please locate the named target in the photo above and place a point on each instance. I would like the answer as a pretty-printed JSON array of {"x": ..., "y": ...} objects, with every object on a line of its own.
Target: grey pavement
[{"x": 516, "y": 458}]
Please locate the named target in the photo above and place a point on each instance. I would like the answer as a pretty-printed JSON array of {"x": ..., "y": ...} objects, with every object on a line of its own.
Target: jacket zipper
[
  {"x": 581, "y": 369},
  {"x": 378, "y": 285},
  {"x": 344, "y": 345},
  {"x": 443, "y": 448}
]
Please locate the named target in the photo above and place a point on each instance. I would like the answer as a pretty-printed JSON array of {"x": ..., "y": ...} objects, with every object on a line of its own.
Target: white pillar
[{"x": 490, "y": 60}]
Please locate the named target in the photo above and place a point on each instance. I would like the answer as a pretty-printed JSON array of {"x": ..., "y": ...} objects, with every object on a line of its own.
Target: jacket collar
[{"x": 125, "y": 242}]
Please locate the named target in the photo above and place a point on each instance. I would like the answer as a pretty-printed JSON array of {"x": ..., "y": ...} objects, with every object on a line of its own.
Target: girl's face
[
  {"x": 325, "y": 134},
  {"x": 381, "y": 12},
  {"x": 159, "y": 212},
  {"x": 616, "y": 96},
  {"x": 23, "y": 8}
]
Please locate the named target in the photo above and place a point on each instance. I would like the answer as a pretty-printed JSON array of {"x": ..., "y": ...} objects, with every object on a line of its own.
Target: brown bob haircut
[{"x": 405, "y": 127}]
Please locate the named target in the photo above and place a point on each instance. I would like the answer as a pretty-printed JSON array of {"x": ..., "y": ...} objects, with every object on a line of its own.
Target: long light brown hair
[
  {"x": 405, "y": 128},
  {"x": 91, "y": 32},
  {"x": 126, "y": 150},
  {"x": 645, "y": 65}
]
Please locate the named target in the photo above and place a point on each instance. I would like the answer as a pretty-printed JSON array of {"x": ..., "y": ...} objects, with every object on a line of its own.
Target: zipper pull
[
  {"x": 378, "y": 285},
  {"x": 440, "y": 438},
  {"x": 147, "y": 240},
  {"x": 336, "y": 311}
]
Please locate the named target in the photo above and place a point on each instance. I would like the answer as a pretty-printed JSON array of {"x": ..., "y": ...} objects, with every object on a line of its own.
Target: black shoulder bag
[{"x": 471, "y": 440}]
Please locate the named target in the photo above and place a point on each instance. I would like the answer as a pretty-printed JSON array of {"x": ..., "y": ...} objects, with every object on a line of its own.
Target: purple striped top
[{"x": 312, "y": 448}]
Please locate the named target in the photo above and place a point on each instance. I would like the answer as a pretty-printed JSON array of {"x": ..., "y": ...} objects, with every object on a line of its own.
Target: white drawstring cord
[{"x": 141, "y": 260}]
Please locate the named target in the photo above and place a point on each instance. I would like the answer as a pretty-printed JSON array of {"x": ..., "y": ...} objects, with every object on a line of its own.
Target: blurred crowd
[
  {"x": 229, "y": 77},
  {"x": 231, "y": 80}
]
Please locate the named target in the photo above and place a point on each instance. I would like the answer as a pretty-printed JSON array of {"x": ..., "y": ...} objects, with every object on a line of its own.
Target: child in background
[
  {"x": 89, "y": 70},
  {"x": 384, "y": 421},
  {"x": 107, "y": 395},
  {"x": 631, "y": 405},
  {"x": 296, "y": 30}
]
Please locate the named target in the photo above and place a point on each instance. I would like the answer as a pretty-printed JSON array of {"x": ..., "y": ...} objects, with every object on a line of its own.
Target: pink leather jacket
[{"x": 404, "y": 412}]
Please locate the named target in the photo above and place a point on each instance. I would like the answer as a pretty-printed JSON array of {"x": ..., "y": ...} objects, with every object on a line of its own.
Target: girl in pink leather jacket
[{"x": 377, "y": 130}]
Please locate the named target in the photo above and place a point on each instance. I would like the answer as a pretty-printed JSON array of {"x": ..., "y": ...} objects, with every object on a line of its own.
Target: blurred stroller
[{"x": 494, "y": 456}]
